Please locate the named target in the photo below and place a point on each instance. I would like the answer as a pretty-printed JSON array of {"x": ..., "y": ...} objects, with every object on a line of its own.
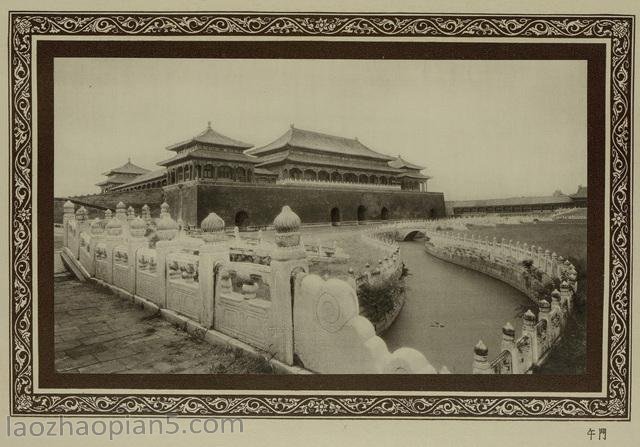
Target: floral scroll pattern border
[{"x": 619, "y": 30}]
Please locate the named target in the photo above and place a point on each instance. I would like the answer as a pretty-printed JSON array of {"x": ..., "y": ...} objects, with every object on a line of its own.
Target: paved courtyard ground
[{"x": 99, "y": 332}]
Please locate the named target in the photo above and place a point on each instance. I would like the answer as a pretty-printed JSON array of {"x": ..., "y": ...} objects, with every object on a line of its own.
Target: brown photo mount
[{"x": 474, "y": 395}]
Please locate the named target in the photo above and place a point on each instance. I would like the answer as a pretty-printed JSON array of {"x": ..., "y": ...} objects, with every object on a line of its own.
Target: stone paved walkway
[{"x": 99, "y": 332}]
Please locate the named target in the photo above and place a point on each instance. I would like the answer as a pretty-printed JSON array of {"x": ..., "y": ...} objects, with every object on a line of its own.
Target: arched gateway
[
  {"x": 242, "y": 219},
  {"x": 362, "y": 210},
  {"x": 335, "y": 216}
]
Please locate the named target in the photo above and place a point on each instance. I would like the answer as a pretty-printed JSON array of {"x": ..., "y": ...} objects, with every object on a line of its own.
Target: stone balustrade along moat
[{"x": 253, "y": 295}]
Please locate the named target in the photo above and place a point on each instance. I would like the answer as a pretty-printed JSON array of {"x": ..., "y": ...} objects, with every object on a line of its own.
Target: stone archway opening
[
  {"x": 413, "y": 235},
  {"x": 362, "y": 211},
  {"x": 335, "y": 216},
  {"x": 384, "y": 213},
  {"x": 242, "y": 219}
]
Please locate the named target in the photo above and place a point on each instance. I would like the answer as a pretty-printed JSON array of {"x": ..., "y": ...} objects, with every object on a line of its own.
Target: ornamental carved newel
[
  {"x": 288, "y": 257},
  {"x": 554, "y": 265},
  {"x": 566, "y": 295},
  {"x": 547, "y": 262},
  {"x": 130, "y": 214},
  {"x": 97, "y": 235},
  {"x": 108, "y": 215},
  {"x": 68, "y": 216},
  {"x": 69, "y": 210},
  {"x": 529, "y": 329},
  {"x": 481, "y": 363},
  {"x": 541, "y": 258},
  {"x": 137, "y": 228},
  {"x": 82, "y": 226},
  {"x": 146, "y": 214},
  {"x": 508, "y": 337},
  {"x": 166, "y": 227},
  {"x": 114, "y": 228},
  {"x": 121, "y": 212},
  {"x": 214, "y": 252},
  {"x": 573, "y": 278},
  {"x": 555, "y": 300},
  {"x": 164, "y": 209}
]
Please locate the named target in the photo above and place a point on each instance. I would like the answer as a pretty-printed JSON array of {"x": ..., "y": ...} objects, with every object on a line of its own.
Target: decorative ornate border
[{"x": 619, "y": 31}]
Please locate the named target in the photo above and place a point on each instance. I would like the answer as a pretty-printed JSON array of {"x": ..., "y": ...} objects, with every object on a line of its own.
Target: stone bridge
[{"x": 406, "y": 230}]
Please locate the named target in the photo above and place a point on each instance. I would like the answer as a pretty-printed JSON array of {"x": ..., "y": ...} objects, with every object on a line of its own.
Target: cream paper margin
[{"x": 321, "y": 432}]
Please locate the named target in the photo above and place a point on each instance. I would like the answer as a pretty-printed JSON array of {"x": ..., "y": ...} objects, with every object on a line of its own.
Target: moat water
[{"x": 449, "y": 308}]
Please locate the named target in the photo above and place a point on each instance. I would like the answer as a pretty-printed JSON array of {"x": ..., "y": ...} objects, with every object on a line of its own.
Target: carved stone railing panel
[
  {"x": 183, "y": 288},
  {"x": 103, "y": 262},
  {"x": 243, "y": 303}
]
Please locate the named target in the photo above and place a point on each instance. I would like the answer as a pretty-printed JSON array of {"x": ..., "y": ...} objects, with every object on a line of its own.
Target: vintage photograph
[
  {"x": 321, "y": 215},
  {"x": 310, "y": 216}
]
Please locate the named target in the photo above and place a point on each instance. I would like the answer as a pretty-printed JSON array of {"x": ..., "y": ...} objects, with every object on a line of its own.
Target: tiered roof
[
  {"x": 127, "y": 168},
  {"x": 400, "y": 163},
  {"x": 151, "y": 175},
  {"x": 213, "y": 138},
  {"x": 216, "y": 148},
  {"x": 309, "y": 159},
  {"x": 316, "y": 141}
]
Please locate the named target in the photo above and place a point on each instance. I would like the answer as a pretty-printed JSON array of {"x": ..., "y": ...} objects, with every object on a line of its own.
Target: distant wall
[{"x": 263, "y": 202}]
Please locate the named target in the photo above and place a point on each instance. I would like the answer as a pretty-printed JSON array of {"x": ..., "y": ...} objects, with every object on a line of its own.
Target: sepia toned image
[{"x": 320, "y": 216}]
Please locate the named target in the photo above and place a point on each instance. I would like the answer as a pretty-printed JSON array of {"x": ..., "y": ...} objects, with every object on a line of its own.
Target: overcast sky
[{"x": 483, "y": 129}]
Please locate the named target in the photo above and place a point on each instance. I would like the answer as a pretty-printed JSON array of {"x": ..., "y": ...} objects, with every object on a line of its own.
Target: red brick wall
[{"x": 263, "y": 203}]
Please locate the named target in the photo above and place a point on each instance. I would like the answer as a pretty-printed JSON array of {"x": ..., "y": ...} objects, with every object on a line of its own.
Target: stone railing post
[
  {"x": 288, "y": 258},
  {"x": 480, "y": 359},
  {"x": 121, "y": 212},
  {"x": 146, "y": 214},
  {"x": 136, "y": 240},
  {"x": 544, "y": 309},
  {"x": 529, "y": 329},
  {"x": 130, "y": 214},
  {"x": 554, "y": 265},
  {"x": 166, "y": 232},
  {"x": 113, "y": 238},
  {"x": 214, "y": 252},
  {"x": 508, "y": 337},
  {"x": 97, "y": 235},
  {"x": 69, "y": 215},
  {"x": 566, "y": 295},
  {"x": 555, "y": 301},
  {"x": 82, "y": 226}
]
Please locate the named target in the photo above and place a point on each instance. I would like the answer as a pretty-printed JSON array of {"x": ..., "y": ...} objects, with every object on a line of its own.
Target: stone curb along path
[{"x": 92, "y": 347}]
